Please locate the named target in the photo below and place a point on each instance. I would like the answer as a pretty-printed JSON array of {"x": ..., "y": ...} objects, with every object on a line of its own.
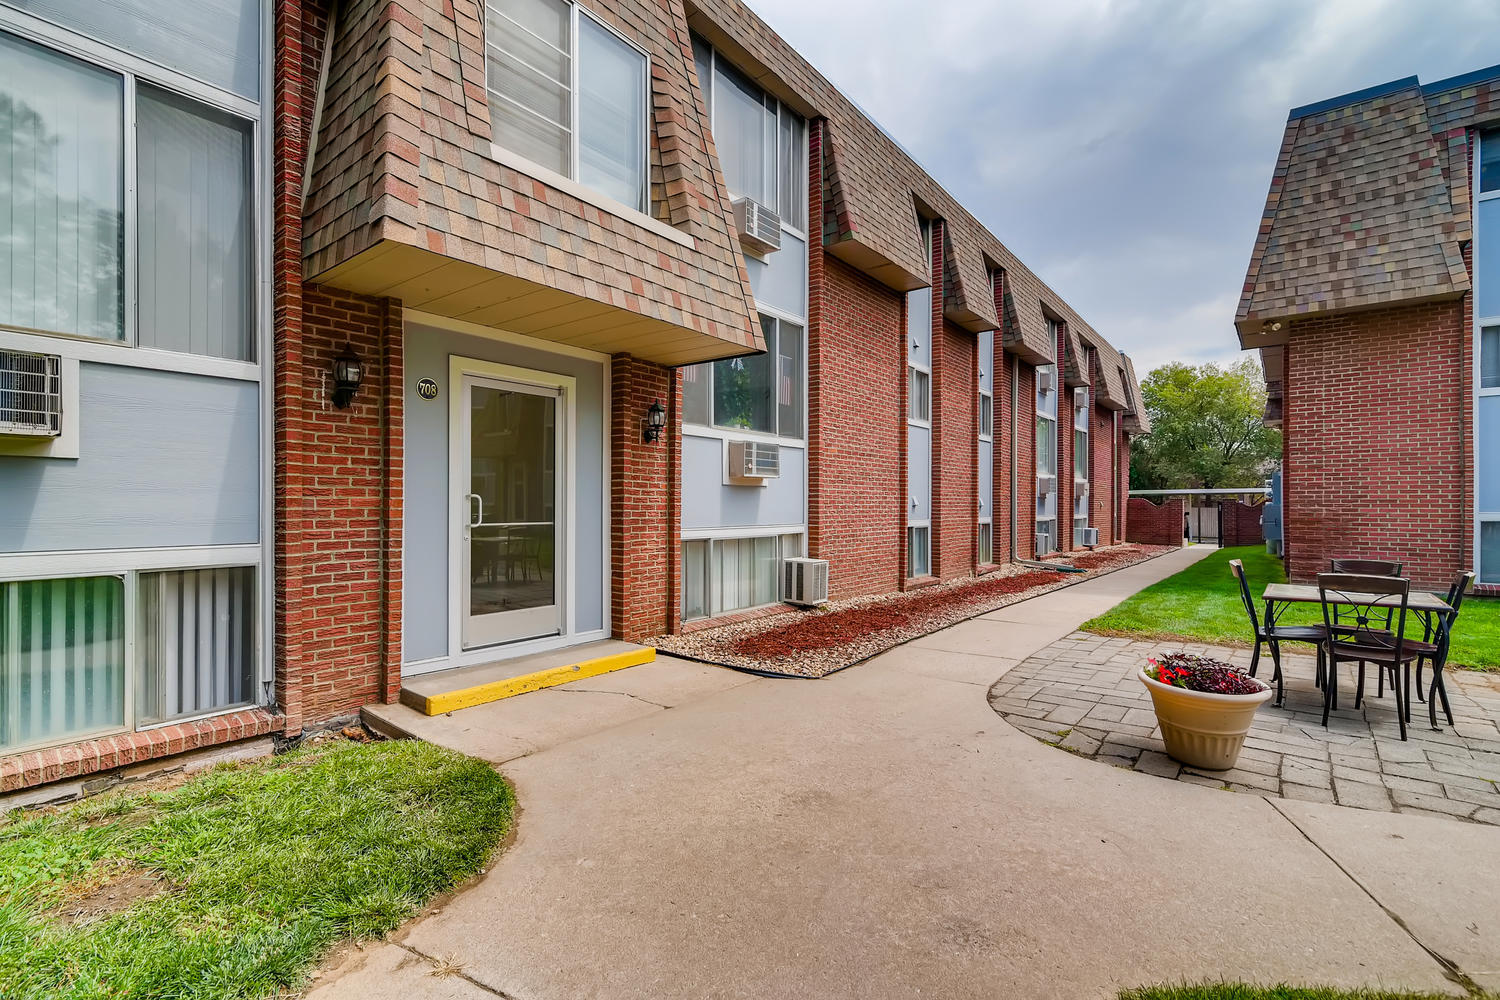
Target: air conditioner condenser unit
[{"x": 805, "y": 581}]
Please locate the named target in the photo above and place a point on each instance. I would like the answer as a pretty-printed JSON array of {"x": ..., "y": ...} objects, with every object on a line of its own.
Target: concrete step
[{"x": 464, "y": 687}]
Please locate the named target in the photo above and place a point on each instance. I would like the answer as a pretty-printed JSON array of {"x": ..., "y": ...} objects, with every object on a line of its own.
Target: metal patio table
[{"x": 1279, "y": 596}]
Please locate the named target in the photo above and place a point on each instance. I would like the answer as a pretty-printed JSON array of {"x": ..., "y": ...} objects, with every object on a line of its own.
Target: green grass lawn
[
  {"x": 1240, "y": 991},
  {"x": 1203, "y": 603},
  {"x": 234, "y": 884}
]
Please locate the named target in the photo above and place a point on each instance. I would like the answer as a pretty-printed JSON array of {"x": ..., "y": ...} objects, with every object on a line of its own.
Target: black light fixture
[
  {"x": 348, "y": 369},
  {"x": 656, "y": 419}
]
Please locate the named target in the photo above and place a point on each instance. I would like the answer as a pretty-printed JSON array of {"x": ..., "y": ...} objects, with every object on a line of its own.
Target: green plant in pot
[{"x": 1204, "y": 707}]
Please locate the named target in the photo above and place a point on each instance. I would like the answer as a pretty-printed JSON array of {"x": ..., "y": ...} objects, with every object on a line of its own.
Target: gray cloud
[{"x": 1123, "y": 148}]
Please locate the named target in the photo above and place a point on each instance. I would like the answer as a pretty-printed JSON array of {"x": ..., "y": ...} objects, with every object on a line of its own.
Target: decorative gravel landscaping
[
  {"x": 819, "y": 641},
  {"x": 235, "y": 883},
  {"x": 1242, "y": 991}
]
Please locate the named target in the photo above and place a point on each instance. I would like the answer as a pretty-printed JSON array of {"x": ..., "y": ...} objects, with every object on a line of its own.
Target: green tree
[{"x": 1206, "y": 428}]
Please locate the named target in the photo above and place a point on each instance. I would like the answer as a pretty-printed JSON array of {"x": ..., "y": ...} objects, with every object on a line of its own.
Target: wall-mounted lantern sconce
[
  {"x": 347, "y": 372},
  {"x": 656, "y": 419}
]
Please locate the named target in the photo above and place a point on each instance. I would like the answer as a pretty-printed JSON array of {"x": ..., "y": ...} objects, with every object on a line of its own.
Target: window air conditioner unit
[
  {"x": 759, "y": 227},
  {"x": 1086, "y": 536},
  {"x": 804, "y": 581},
  {"x": 1044, "y": 380},
  {"x": 1043, "y": 543},
  {"x": 30, "y": 394},
  {"x": 753, "y": 462},
  {"x": 1080, "y": 398},
  {"x": 1046, "y": 485}
]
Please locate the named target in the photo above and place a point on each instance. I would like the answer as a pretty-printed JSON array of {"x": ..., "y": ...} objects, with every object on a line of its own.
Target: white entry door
[{"x": 513, "y": 559}]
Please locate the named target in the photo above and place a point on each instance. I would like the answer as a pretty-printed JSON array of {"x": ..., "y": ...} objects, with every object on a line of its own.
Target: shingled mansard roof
[
  {"x": 872, "y": 190},
  {"x": 1369, "y": 203}
]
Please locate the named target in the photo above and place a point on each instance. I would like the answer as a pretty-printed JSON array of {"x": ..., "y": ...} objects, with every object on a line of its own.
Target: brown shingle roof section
[
  {"x": 1137, "y": 419},
  {"x": 870, "y": 182},
  {"x": 1363, "y": 209},
  {"x": 405, "y": 157}
]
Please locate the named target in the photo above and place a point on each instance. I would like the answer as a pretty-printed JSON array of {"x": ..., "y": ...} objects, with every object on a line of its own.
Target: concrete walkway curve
[{"x": 882, "y": 833}]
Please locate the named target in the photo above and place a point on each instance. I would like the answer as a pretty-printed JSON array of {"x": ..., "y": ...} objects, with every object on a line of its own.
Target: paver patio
[{"x": 1081, "y": 693}]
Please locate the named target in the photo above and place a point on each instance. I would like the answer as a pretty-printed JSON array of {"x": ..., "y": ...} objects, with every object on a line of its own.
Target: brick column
[
  {"x": 645, "y": 514},
  {"x": 940, "y": 503}
]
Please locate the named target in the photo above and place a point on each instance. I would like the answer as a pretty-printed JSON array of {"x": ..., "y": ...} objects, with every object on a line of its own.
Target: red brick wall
[
  {"x": 1239, "y": 523},
  {"x": 1025, "y": 543},
  {"x": 343, "y": 612},
  {"x": 955, "y": 479},
  {"x": 1102, "y": 486},
  {"x": 1149, "y": 524},
  {"x": 857, "y": 425},
  {"x": 1377, "y": 426},
  {"x": 645, "y": 511},
  {"x": 1002, "y": 537}
]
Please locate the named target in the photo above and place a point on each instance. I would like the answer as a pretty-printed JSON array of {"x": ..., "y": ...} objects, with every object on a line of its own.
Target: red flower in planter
[{"x": 1199, "y": 673}]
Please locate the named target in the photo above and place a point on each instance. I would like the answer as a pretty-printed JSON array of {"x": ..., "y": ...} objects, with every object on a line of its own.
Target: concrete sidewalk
[{"x": 881, "y": 833}]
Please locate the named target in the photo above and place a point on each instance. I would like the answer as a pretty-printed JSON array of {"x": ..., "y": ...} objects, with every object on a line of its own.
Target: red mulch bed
[
  {"x": 813, "y": 643},
  {"x": 835, "y": 628}
]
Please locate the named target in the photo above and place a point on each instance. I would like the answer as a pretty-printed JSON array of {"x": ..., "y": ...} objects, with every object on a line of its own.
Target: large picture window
[
  {"x": 757, "y": 392},
  {"x": 62, "y": 194},
  {"x": 68, "y": 672},
  {"x": 64, "y": 214},
  {"x": 724, "y": 575},
  {"x": 568, "y": 94},
  {"x": 762, "y": 143}
]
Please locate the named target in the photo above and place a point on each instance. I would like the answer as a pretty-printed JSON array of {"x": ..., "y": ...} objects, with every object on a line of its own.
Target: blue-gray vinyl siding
[
  {"x": 708, "y": 503},
  {"x": 987, "y": 448},
  {"x": 165, "y": 459},
  {"x": 1489, "y": 454},
  {"x": 425, "y": 570},
  {"x": 780, "y": 281}
]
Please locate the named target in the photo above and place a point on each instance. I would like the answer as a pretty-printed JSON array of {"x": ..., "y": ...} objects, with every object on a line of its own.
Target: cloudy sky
[{"x": 1123, "y": 148}]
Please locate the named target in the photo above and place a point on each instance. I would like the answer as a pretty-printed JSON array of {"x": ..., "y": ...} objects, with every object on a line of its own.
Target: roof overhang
[
  {"x": 1267, "y": 330},
  {"x": 442, "y": 285}
]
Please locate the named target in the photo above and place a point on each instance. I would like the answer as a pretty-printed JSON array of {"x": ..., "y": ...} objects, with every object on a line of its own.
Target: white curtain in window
[
  {"x": 197, "y": 642},
  {"x": 61, "y": 193},
  {"x": 196, "y": 233},
  {"x": 529, "y": 71},
  {"x": 745, "y": 135},
  {"x": 611, "y": 115},
  {"x": 62, "y": 659},
  {"x": 694, "y": 579}
]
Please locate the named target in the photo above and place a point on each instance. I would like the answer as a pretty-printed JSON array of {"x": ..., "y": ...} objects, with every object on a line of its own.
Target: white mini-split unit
[
  {"x": 30, "y": 394},
  {"x": 804, "y": 581},
  {"x": 753, "y": 462},
  {"x": 759, "y": 227}
]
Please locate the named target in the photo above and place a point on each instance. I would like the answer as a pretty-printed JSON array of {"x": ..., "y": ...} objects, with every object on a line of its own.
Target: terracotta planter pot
[{"x": 1201, "y": 729}]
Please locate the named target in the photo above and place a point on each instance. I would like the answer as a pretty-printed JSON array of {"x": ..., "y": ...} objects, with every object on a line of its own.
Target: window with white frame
[
  {"x": 1081, "y": 410},
  {"x": 1046, "y": 457},
  {"x": 919, "y": 354},
  {"x": 755, "y": 392},
  {"x": 762, "y": 143},
  {"x": 569, "y": 94},
  {"x": 1487, "y": 325},
  {"x": 76, "y": 663},
  {"x": 986, "y": 543},
  {"x": 918, "y": 548},
  {"x": 724, "y": 575},
  {"x": 64, "y": 210}
]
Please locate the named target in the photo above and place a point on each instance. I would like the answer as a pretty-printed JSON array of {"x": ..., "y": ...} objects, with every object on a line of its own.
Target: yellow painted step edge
[{"x": 452, "y": 701}]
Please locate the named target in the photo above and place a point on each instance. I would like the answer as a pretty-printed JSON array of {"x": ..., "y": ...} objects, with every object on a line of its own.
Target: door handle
[{"x": 471, "y": 499}]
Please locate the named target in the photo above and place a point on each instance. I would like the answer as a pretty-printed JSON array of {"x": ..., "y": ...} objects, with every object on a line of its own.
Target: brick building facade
[
  {"x": 608, "y": 379},
  {"x": 1386, "y": 380}
]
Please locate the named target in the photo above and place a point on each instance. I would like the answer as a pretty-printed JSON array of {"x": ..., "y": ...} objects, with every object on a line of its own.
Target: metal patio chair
[
  {"x": 1433, "y": 649},
  {"x": 1367, "y": 567},
  {"x": 1274, "y": 635},
  {"x": 1387, "y": 650}
]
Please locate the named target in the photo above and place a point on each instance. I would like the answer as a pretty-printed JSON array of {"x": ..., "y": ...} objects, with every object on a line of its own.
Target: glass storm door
[{"x": 512, "y": 539}]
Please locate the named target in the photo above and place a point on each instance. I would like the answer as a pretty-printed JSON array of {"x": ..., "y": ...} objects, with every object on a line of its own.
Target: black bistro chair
[
  {"x": 1275, "y": 635},
  {"x": 1380, "y": 620},
  {"x": 1433, "y": 649},
  {"x": 1366, "y": 597}
]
